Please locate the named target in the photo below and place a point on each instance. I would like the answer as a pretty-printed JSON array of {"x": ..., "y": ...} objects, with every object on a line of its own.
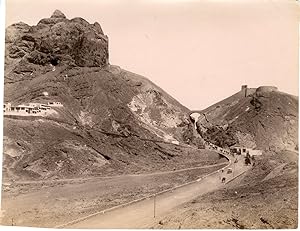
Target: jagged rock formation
[
  {"x": 111, "y": 118},
  {"x": 54, "y": 40}
]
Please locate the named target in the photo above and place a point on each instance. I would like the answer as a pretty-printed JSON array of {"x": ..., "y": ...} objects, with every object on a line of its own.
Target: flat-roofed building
[
  {"x": 44, "y": 107},
  {"x": 6, "y": 107},
  {"x": 239, "y": 150},
  {"x": 25, "y": 108}
]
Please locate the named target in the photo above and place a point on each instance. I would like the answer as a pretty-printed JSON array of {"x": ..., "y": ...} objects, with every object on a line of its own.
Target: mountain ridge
[{"x": 110, "y": 121}]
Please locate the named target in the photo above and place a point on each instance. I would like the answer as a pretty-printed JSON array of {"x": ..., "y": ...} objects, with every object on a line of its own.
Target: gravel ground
[{"x": 49, "y": 204}]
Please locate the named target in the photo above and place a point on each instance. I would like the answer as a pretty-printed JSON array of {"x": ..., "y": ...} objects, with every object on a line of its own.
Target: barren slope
[
  {"x": 267, "y": 195},
  {"x": 111, "y": 121},
  {"x": 267, "y": 121}
]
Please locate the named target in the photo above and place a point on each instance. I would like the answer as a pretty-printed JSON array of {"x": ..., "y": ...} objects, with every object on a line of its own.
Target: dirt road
[
  {"x": 141, "y": 214},
  {"x": 68, "y": 200},
  {"x": 120, "y": 176}
]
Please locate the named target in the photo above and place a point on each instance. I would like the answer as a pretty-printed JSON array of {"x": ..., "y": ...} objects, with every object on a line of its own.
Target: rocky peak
[
  {"x": 73, "y": 42},
  {"x": 58, "y": 14}
]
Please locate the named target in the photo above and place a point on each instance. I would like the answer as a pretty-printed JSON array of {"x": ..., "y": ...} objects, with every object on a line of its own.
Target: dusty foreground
[
  {"x": 143, "y": 213},
  {"x": 265, "y": 197},
  {"x": 52, "y": 203}
]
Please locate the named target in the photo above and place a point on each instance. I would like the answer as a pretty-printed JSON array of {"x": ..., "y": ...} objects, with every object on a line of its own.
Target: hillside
[
  {"x": 266, "y": 196},
  {"x": 265, "y": 119},
  {"x": 112, "y": 121}
]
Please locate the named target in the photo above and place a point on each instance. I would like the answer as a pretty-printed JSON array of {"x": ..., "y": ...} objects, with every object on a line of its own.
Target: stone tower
[{"x": 244, "y": 90}]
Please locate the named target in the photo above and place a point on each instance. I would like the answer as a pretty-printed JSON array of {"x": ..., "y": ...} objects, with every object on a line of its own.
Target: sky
[{"x": 199, "y": 51}]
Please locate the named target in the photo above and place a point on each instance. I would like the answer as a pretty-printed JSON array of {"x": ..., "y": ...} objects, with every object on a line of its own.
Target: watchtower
[{"x": 244, "y": 90}]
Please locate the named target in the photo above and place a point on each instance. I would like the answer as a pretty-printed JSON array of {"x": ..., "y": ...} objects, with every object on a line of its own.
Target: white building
[
  {"x": 29, "y": 109},
  {"x": 244, "y": 151},
  {"x": 44, "y": 107},
  {"x": 6, "y": 107}
]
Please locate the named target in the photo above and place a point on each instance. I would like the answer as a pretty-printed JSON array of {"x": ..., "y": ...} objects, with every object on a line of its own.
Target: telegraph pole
[
  {"x": 154, "y": 205},
  {"x": 233, "y": 169}
]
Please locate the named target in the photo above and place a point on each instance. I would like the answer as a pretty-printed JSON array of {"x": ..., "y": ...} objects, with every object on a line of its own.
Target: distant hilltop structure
[
  {"x": 258, "y": 91},
  {"x": 247, "y": 91},
  {"x": 30, "y": 109},
  {"x": 244, "y": 90},
  {"x": 264, "y": 89}
]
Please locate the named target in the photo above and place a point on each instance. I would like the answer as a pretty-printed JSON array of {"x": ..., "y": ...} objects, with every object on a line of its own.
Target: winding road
[{"x": 143, "y": 213}]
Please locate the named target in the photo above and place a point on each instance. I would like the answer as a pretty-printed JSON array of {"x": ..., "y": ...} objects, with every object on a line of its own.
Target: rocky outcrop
[
  {"x": 14, "y": 31},
  {"x": 263, "y": 89},
  {"x": 58, "y": 40}
]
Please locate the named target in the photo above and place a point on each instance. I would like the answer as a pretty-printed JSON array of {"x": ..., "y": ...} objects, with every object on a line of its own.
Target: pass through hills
[{"x": 82, "y": 135}]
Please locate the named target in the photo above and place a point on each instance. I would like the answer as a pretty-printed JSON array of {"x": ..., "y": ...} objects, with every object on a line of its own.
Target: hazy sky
[{"x": 198, "y": 51}]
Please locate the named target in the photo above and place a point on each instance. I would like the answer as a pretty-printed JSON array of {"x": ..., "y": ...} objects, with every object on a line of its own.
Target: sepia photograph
[{"x": 150, "y": 114}]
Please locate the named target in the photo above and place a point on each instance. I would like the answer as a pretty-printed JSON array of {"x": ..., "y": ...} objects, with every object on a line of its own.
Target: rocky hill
[
  {"x": 266, "y": 195},
  {"x": 112, "y": 121},
  {"x": 262, "y": 118}
]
